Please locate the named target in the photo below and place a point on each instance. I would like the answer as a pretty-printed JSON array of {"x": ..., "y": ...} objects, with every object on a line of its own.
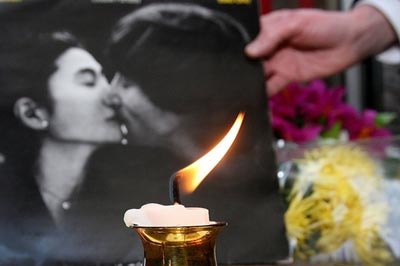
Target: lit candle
[{"x": 184, "y": 181}]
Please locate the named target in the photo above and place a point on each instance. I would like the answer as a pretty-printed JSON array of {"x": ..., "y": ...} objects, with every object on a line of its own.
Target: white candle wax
[{"x": 153, "y": 214}]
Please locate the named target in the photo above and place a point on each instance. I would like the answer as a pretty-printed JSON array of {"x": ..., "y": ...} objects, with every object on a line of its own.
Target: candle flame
[{"x": 192, "y": 175}]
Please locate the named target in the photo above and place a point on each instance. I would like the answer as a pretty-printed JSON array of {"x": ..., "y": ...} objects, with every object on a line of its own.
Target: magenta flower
[
  {"x": 302, "y": 113},
  {"x": 366, "y": 127},
  {"x": 290, "y": 132},
  {"x": 323, "y": 105},
  {"x": 285, "y": 103}
]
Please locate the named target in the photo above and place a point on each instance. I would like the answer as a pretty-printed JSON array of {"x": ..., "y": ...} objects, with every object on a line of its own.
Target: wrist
[{"x": 372, "y": 32}]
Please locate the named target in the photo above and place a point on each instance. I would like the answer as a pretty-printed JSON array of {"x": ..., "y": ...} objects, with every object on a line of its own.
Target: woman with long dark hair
[{"x": 56, "y": 109}]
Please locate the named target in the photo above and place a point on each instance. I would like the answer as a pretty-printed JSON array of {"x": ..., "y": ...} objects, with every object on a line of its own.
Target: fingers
[
  {"x": 274, "y": 81},
  {"x": 276, "y": 28},
  {"x": 274, "y": 84},
  {"x": 277, "y": 72}
]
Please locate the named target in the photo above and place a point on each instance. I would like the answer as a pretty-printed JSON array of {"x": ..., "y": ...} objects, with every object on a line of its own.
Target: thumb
[
  {"x": 257, "y": 48},
  {"x": 276, "y": 28}
]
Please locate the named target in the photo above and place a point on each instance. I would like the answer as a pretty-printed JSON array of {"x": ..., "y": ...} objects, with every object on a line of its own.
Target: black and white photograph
[{"x": 101, "y": 102}]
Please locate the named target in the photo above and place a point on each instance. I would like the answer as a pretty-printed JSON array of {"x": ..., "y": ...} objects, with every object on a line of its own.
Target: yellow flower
[{"x": 334, "y": 199}]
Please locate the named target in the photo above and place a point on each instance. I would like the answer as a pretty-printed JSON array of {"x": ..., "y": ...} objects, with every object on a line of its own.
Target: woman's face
[{"x": 79, "y": 90}]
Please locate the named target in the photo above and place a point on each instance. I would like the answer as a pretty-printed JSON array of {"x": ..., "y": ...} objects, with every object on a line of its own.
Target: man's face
[
  {"x": 78, "y": 90},
  {"x": 147, "y": 123}
]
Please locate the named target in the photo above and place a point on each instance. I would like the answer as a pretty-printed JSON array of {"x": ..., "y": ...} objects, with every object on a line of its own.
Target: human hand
[{"x": 304, "y": 44}]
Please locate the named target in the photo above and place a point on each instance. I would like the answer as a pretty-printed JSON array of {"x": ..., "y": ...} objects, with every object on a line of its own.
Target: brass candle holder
[{"x": 180, "y": 245}]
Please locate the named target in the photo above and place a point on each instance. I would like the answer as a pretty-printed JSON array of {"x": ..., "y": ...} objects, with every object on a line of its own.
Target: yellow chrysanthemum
[{"x": 331, "y": 202}]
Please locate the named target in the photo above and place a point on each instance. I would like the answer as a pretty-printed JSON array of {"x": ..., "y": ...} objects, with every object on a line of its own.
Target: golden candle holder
[{"x": 180, "y": 245}]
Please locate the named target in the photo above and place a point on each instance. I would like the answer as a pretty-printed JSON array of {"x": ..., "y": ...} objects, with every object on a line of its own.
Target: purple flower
[
  {"x": 323, "y": 105},
  {"x": 290, "y": 132},
  {"x": 366, "y": 126},
  {"x": 284, "y": 104},
  {"x": 302, "y": 113}
]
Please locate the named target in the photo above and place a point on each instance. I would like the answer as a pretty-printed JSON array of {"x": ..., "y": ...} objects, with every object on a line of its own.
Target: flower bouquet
[{"x": 342, "y": 195}]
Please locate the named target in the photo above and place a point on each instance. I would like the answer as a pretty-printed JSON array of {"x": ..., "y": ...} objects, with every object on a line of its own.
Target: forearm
[
  {"x": 376, "y": 25},
  {"x": 373, "y": 30}
]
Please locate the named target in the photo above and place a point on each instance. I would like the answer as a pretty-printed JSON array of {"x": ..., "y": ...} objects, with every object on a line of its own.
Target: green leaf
[
  {"x": 383, "y": 119},
  {"x": 333, "y": 132}
]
